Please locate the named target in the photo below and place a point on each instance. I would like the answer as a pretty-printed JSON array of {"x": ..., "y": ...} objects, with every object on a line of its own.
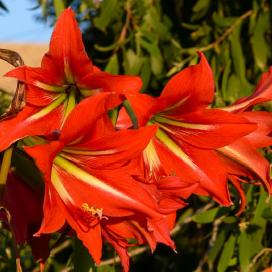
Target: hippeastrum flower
[
  {"x": 89, "y": 185},
  {"x": 189, "y": 133},
  {"x": 25, "y": 208},
  {"x": 262, "y": 93},
  {"x": 241, "y": 157},
  {"x": 65, "y": 77}
]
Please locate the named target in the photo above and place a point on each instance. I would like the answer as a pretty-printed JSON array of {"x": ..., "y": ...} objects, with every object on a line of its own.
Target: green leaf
[
  {"x": 200, "y": 5},
  {"x": 206, "y": 216},
  {"x": 82, "y": 259},
  {"x": 190, "y": 26},
  {"x": 105, "y": 268},
  {"x": 260, "y": 47},
  {"x": 258, "y": 219},
  {"x": 185, "y": 214},
  {"x": 233, "y": 89},
  {"x": 156, "y": 59},
  {"x": 239, "y": 61},
  {"x": 113, "y": 65},
  {"x": 267, "y": 213},
  {"x": 226, "y": 254},
  {"x": 107, "y": 12},
  {"x": 244, "y": 251},
  {"x": 256, "y": 229},
  {"x": 200, "y": 9},
  {"x": 230, "y": 219},
  {"x": 59, "y": 6},
  {"x": 225, "y": 79},
  {"x": 132, "y": 63},
  {"x": 222, "y": 21},
  {"x": 217, "y": 246},
  {"x": 145, "y": 73},
  {"x": 237, "y": 53}
]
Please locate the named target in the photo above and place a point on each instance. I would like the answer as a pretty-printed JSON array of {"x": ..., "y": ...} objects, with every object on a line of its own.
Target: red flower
[
  {"x": 241, "y": 157},
  {"x": 89, "y": 184},
  {"x": 189, "y": 133},
  {"x": 25, "y": 207},
  {"x": 65, "y": 77}
]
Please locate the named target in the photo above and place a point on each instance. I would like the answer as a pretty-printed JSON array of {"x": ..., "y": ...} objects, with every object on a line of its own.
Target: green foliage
[{"x": 156, "y": 39}]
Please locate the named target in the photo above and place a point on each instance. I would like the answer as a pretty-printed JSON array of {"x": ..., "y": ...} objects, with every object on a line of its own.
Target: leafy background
[{"x": 155, "y": 39}]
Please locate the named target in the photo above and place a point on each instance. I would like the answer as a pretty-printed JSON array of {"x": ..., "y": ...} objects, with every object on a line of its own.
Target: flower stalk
[
  {"x": 131, "y": 114},
  {"x": 6, "y": 162}
]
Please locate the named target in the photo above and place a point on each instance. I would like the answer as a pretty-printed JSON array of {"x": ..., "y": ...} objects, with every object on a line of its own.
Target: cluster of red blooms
[{"x": 124, "y": 178}]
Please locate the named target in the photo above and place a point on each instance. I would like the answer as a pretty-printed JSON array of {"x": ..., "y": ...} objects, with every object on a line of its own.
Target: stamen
[
  {"x": 96, "y": 212},
  {"x": 152, "y": 160}
]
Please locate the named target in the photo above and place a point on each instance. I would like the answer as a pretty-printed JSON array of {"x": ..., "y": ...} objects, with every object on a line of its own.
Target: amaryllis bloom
[
  {"x": 89, "y": 184},
  {"x": 25, "y": 208},
  {"x": 189, "y": 132},
  {"x": 242, "y": 160},
  {"x": 65, "y": 77}
]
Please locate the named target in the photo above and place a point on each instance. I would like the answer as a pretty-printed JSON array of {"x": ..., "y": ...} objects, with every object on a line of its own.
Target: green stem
[
  {"x": 6, "y": 162},
  {"x": 131, "y": 113},
  {"x": 5, "y": 165}
]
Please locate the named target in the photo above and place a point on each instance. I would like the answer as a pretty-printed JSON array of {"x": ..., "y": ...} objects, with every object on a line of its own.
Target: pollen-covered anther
[{"x": 96, "y": 212}]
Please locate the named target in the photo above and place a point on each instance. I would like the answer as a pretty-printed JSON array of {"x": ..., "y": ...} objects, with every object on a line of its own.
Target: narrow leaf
[
  {"x": 226, "y": 254},
  {"x": 206, "y": 216}
]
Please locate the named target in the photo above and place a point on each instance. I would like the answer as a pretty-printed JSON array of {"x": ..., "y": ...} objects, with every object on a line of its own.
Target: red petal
[
  {"x": 121, "y": 251},
  {"x": 203, "y": 167},
  {"x": 134, "y": 227},
  {"x": 244, "y": 154},
  {"x": 59, "y": 203},
  {"x": 173, "y": 165},
  {"x": 262, "y": 93},
  {"x": 53, "y": 217},
  {"x": 115, "y": 147},
  {"x": 43, "y": 155},
  {"x": 238, "y": 186},
  {"x": 208, "y": 128},
  {"x": 34, "y": 95},
  {"x": 112, "y": 190},
  {"x": 171, "y": 205},
  {"x": 67, "y": 48},
  {"x": 24, "y": 205},
  {"x": 83, "y": 117},
  {"x": 161, "y": 232},
  {"x": 261, "y": 137},
  {"x": 54, "y": 211},
  {"x": 111, "y": 83},
  {"x": 21, "y": 126},
  {"x": 212, "y": 174},
  {"x": 91, "y": 239},
  {"x": 190, "y": 89},
  {"x": 177, "y": 187},
  {"x": 31, "y": 75}
]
